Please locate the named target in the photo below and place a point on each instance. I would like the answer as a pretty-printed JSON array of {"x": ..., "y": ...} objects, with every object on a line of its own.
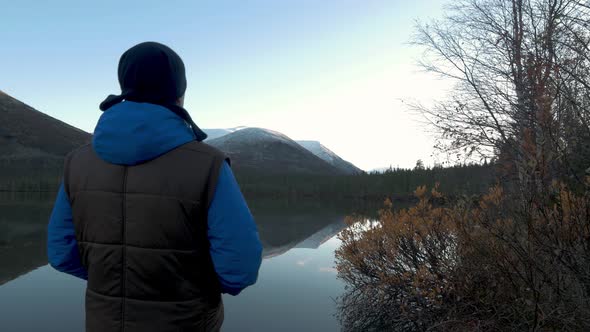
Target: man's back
[
  {"x": 150, "y": 216},
  {"x": 142, "y": 234}
]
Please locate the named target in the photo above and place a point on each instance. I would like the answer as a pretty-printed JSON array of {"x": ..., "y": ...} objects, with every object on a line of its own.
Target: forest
[{"x": 396, "y": 184}]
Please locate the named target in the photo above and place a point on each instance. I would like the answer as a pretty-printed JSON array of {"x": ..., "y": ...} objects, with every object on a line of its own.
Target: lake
[{"x": 296, "y": 288}]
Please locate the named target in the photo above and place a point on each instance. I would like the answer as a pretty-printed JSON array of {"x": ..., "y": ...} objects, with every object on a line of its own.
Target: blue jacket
[{"x": 130, "y": 133}]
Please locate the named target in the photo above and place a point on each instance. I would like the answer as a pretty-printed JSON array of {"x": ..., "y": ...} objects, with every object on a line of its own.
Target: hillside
[
  {"x": 256, "y": 150},
  {"x": 32, "y": 146},
  {"x": 25, "y": 131},
  {"x": 329, "y": 156}
]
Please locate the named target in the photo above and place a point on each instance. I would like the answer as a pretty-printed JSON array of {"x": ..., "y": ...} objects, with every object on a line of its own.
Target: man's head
[
  {"x": 153, "y": 73},
  {"x": 150, "y": 72}
]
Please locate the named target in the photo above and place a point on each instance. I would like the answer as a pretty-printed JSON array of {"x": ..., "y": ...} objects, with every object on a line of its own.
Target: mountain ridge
[
  {"x": 32, "y": 142},
  {"x": 314, "y": 147},
  {"x": 270, "y": 152},
  {"x": 25, "y": 131},
  {"x": 330, "y": 156}
]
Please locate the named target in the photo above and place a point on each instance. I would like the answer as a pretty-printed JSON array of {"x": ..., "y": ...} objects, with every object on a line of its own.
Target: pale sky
[{"x": 328, "y": 70}]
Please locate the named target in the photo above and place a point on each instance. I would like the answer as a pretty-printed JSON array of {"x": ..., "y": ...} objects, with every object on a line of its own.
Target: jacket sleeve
[
  {"x": 62, "y": 248},
  {"x": 235, "y": 248}
]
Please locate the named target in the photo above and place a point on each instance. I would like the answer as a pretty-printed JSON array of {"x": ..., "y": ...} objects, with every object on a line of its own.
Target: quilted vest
[{"x": 142, "y": 236}]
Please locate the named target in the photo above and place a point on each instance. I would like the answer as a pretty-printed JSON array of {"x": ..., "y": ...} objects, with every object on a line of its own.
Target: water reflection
[
  {"x": 23, "y": 222},
  {"x": 295, "y": 291}
]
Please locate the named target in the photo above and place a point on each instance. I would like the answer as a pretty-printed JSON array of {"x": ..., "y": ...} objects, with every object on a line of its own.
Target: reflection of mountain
[
  {"x": 313, "y": 241},
  {"x": 23, "y": 224},
  {"x": 323, "y": 235},
  {"x": 282, "y": 228},
  {"x": 283, "y": 234}
]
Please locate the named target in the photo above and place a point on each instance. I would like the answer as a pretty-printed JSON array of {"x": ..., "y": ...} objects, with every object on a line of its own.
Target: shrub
[{"x": 495, "y": 263}]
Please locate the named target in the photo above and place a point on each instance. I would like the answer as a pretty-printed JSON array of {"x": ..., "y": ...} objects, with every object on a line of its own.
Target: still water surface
[{"x": 296, "y": 288}]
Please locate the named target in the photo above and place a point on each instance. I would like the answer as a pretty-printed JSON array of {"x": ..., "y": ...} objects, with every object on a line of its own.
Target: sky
[{"x": 336, "y": 71}]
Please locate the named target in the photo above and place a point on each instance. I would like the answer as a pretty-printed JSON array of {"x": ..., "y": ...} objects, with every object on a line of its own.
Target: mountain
[
  {"x": 270, "y": 152},
  {"x": 314, "y": 147},
  {"x": 329, "y": 156},
  {"x": 26, "y": 132},
  {"x": 33, "y": 144}
]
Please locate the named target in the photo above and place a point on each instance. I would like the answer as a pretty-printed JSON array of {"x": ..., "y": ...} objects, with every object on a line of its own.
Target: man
[{"x": 149, "y": 215}]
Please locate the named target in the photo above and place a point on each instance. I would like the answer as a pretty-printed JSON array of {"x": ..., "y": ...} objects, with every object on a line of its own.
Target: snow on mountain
[
  {"x": 215, "y": 133},
  {"x": 256, "y": 135},
  {"x": 319, "y": 150},
  {"x": 328, "y": 155}
]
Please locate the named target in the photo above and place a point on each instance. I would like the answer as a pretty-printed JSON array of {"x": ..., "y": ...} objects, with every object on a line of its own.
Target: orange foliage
[{"x": 493, "y": 265}]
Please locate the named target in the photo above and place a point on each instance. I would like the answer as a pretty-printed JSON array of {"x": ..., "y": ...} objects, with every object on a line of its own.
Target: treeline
[{"x": 396, "y": 184}]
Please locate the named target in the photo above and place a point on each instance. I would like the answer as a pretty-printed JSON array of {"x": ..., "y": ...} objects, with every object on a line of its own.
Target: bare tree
[{"x": 522, "y": 74}]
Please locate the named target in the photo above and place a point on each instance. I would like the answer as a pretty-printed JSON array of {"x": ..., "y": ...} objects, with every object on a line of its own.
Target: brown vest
[{"x": 142, "y": 236}]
